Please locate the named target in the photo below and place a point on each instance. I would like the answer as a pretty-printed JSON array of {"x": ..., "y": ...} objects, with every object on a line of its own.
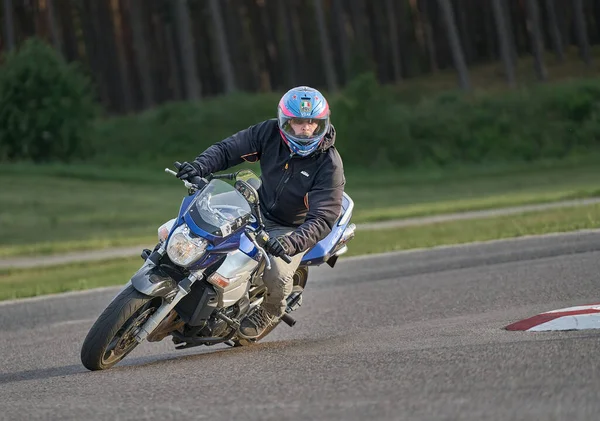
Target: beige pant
[{"x": 279, "y": 280}]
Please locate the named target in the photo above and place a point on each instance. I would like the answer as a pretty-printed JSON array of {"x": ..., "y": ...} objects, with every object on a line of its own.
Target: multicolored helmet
[{"x": 303, "y": 115}]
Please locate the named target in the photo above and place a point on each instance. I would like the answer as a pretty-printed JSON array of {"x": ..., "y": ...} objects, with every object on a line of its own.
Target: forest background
[{"x": 414, "y": 83}]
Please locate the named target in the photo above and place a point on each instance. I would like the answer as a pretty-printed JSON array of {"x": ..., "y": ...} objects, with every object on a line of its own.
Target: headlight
[{"x": 184, "y": 249}]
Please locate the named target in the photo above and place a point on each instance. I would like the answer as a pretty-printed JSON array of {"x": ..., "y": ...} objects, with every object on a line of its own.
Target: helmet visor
[{"x": 304, "y": 130}]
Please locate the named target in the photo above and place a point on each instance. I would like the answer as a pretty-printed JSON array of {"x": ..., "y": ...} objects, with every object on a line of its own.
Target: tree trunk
[
  {"x": 70, "y": 20},
  {"x": 428, "y": 32},
  {"x": 510, "y": 31},
  {"x": 463, "y": 29},
  {"x": 581, "y": 30},
  {"x": 116, "y": 17},
  {"x": 92, "y": 52},
  {"x": 141, "y": 56},
  {"x": 287, "y": 46},
  {"x": 535, "y": 35},
  {"x": 272, "y": 66},
  {"x": 380, "y": 40},
  {"x": 330, "y": 77},
  {"x": 394, "y": 44},
  {"x": 254, "y": 64},
  {"x": 457, "y": 53},
  {"x": 503, "y": 40},
  {"x": 557, "y": 41},
  {"x": 342, "y": 36},
  {"x": 404, "y": 40},
  {"x": 223, "y": 49},
  {"x": 9, "y": 25},
  {"x": 188, "y": 54},
  {"x": 361, "y": 59},
  {"x": 175, "y": 73},
  {"x": 491, "y": 36},
  {"x": 55, "y": 29}
]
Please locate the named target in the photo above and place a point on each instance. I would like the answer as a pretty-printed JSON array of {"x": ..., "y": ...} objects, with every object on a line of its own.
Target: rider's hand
[
  {"x": 189, "y": 170},
  {"x": 275, "y": 247}
]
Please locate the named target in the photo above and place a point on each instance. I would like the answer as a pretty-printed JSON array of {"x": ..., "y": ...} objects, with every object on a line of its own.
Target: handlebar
[
  {"x": 196, "y": 181},
  {"x": 260, "y": 238}
]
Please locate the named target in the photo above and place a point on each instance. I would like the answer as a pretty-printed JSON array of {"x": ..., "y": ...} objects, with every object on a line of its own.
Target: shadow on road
[
  {"x": 43, "y": 373},
  {"x": 145, "y": 362}
]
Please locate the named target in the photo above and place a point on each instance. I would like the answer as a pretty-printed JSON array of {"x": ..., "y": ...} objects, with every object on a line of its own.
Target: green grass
[
  {"x": 17, "y": 283},
  {"x": 73, "y": 277},
  {"x": 465, "y": 231},
  {"x": 55, "y": 209}
]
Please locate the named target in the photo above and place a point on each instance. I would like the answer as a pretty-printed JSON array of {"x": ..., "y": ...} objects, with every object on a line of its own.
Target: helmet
[{"x": 303, "y": 115}]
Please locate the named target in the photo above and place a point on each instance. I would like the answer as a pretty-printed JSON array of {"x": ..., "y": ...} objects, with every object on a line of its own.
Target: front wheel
[{"x": 112, "y": 337}]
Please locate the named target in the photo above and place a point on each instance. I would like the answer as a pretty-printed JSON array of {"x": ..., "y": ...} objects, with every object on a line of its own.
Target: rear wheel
[{"x": 112, "y": 337}]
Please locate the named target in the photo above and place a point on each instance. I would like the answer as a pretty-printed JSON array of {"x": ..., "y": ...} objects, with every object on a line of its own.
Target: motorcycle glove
[
  {"x": 189, "y": 170},
  {"x": 275, "y": 247}
]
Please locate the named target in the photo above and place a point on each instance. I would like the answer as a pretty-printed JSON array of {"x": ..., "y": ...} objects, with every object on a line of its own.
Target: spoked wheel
[{"x": 112, "y": 337}]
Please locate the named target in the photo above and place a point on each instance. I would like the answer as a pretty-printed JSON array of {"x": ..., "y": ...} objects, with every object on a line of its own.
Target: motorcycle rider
[{"x": 301, "y": 192}]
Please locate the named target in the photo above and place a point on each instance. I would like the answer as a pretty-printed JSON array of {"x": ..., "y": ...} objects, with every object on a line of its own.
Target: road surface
[{"x": 401, "y": 336}]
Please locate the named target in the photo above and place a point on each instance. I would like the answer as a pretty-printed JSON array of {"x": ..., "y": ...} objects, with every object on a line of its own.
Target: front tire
[{"x": 112, "y": 337}]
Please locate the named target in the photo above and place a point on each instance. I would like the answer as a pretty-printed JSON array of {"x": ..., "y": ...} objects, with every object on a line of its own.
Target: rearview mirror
[
  {"x": 247, "y": 190},
  {"x": 249, "y": 177}
]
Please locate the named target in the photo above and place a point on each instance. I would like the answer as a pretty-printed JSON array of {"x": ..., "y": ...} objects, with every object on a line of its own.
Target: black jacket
[{"x": 301, "y": 192}]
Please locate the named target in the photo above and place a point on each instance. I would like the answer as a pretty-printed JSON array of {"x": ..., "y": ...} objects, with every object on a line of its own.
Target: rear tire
[{"x": 112, "y": 337}]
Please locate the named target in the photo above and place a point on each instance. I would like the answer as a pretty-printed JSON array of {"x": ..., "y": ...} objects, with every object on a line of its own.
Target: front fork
[{"x": 166, "y": 288}]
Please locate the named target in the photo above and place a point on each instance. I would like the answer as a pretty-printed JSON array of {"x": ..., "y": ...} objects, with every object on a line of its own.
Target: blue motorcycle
[{"x": 205, "y": 274}]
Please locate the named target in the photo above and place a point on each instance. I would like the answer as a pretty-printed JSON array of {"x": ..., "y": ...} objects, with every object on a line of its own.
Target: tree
[
  {"x": 465, "y": 36},
  {"x": 457, "y": 53},
  {"x": 581, "y": 31},
  {"x": 188, "y": 55},
  {"x": 116, "y": 20},
  {"x": 339, "y": 17},
  {"x": 424, "y": 17},
  {"x": 394, "y": 44},
  {"x": 503, "y": 40},
  {"x": 9, "y": 26},
  {"x": 53, "y": 22},
  {"x": 287, "y": 48},
  {"x": 141, "y": 53},
  {"x": 361, "y": 58},
  {"x": 535, "y": 35},
  {"x": 554, "y": 29},
  {"x": 223, "y": 50},
  {"x": 330, "y": 77}
]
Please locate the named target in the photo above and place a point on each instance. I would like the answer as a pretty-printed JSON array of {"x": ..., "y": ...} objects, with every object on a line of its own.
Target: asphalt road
[{"x": 403, "y": 336}]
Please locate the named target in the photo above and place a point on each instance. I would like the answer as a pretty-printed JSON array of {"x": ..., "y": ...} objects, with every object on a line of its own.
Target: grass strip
[
  {"x": 59, "y": 212},
  {"x": 484, "y": 229},
  {"x": 17, "y": 283}
]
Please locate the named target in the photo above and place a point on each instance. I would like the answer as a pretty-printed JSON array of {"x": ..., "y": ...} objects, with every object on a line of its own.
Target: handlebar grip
[
  {"x": 287, "y": 259},
  {"x": 224, "y": 176}
]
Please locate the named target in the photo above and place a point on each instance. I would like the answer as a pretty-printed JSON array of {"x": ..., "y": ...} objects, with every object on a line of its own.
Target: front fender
[{"x": 153, "y": 281}]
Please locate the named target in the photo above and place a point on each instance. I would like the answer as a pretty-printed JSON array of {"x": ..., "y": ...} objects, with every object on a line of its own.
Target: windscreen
[{"x": 219, "y": 209}]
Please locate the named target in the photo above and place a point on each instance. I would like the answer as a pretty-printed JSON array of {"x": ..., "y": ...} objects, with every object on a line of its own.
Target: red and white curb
[{"x": 572, "y": 318}]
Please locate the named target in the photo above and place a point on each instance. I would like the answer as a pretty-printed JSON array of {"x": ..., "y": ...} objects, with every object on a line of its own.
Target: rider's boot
[{"x": 255, "y": 324}]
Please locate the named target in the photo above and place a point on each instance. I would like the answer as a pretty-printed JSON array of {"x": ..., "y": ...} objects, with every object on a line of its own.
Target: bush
[
  {"x": 547, "y": 122},
  {"x": 377, "y": 129},
  {"x": 46, "y": 106},
  {"x": 178, "y": 130}
]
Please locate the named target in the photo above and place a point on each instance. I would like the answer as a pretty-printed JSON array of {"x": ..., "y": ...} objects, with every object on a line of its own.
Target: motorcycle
[{"x": 204, "y": 275}]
